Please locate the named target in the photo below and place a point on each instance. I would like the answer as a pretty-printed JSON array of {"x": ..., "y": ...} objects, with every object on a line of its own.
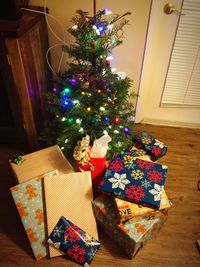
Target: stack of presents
[{"x": 59, "y": 207}]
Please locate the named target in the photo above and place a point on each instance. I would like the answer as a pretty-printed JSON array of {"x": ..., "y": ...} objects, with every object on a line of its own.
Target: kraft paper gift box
[
  {"x": 130, "y": 212},
  {"x": 153, "y": 147},
  {"x": 39, "y": 162},
  {"x": 72, "y": 240},
  {"x": 70, "y": 195},
  {"x": 28, "y": 197},
  {"x": 130, "y": 237},
  {"x": 135, "y": 180}
]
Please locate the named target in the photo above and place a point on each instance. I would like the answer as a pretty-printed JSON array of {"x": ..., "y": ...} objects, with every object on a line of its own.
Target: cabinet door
[{"x": 11, "y": 124}]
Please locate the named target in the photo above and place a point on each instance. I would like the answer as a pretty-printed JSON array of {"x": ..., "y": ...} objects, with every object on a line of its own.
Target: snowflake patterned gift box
[
  {"x": 28, "y": 197},
  {"x": 130, "y": 237},
  {"x": 129, "y": 212},
  {"x": 150, "y": 144},
  {"x": 76, "y": 243},
  {"x": 135, "y": 180}
]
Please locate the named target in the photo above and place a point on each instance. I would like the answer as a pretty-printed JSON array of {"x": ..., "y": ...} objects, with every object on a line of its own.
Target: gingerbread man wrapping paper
[{"x": 28, "y": 198}]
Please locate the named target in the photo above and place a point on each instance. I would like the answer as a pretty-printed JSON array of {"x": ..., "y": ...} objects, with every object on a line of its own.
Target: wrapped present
[
  {"x": 135, "y": 180},
  {"x": 133, "y": 153},
  {"x": 130, "y": 212},
  {"x": 130, "y": 237},
  {"x": 72, "y": 240},
  {"x": 28, "y": 198},
  {"x": 34, "y": 164},
  {"x": 92, "y": 159},
  {"x": 150, "y": 144},
  {"x": 72, "y": 199}
]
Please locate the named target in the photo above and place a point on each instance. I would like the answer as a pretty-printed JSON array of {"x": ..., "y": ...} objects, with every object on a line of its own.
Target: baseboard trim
[{"x": 170, "y": 123}]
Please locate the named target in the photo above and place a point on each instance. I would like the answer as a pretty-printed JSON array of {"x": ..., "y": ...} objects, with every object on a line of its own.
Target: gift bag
[
  {"x": 92, "y": 158},
  {"x": 97, "y": 167}
]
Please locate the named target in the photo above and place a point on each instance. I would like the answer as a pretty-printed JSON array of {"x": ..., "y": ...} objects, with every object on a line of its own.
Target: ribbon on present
[
  {"x": 82, "y": 151},
  {"x": 17, "y": 159}
]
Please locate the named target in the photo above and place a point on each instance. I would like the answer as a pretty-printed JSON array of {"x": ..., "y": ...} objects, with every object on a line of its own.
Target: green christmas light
[
  {"x": 122, "y": 152},
  {"x": 66, "y": 91},
  {"x": 70, "y": 120}
]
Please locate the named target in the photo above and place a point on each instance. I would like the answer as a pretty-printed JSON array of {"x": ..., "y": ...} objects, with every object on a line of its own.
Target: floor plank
[{"x": 174, "y": 246}]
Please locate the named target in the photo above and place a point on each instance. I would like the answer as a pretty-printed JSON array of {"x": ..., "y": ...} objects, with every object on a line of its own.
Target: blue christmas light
[
  {"x": 66, "y": 103},
  {"x": 105, "y": 119},
  {"x": 101, "y": 28}
]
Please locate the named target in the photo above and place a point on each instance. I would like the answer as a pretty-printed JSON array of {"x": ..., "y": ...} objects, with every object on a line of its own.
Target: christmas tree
[{"x": 89, "y": 97}]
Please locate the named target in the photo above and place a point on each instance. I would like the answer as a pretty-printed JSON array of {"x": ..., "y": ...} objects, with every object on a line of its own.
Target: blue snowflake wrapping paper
[
  {"x": 135, "y": 180},
  {"x": 133, "y": 152},
  {"x": 150, "y": 144},
  {"x": 77, "y": 244},
  {"x": 130, "y": 237}
]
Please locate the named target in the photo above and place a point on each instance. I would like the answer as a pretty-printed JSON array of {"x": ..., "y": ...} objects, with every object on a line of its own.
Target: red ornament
[
  {"x": 87, "y": 20},
  {"x": 107, "y": 62},
  {"x": 117, "y": 120}
]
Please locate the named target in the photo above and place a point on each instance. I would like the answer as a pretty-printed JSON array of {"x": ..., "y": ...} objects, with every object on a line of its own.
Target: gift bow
[
  {"x": 82, "y": 151},
  {"x": 16, "y": 159}
]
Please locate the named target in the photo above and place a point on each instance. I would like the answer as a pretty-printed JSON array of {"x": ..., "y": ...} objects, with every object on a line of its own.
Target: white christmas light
[
  {"x": 114, "y": 69},
  {"x": 108, "y": 12},
  {"x": 63, "y": 119},
  {"x": 81, "y": 130},
  {"x": 62, "y": 148},
  {"x": 102, "y": 108},
  {"x": 110, "y": 58},
  {"x": 66, "y": 141},
  {"x": 76, "y": 102},
  {"x": 116, "y": 131},
  {"x": 131, "y": 118},
  {"x": 98, "y": 31},
  {"x": 103, "y": 71},
  {"x": 110, "y": 126},
  {"x": 105, "y": 132},
  {"x": 109, "y": 27},
  {"x": 119, "y": 144},
  {"x": 94, "y": 27},
  {"x": 78, "y": 121},
  {"x": 74, "y": 27}
]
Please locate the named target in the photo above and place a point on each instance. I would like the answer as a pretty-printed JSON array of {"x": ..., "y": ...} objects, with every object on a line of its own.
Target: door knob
[{"x": 169, "y": 8}]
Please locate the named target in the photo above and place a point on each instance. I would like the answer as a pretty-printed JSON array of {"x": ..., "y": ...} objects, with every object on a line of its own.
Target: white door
[{"x": 160, "y": 40}]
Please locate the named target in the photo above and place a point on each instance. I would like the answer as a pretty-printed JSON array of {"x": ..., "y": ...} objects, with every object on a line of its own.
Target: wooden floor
[{"x": 174, "y": 246}]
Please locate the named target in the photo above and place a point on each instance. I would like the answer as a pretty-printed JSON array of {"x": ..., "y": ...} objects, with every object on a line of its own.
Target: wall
[{"x": 128, "y": 57}]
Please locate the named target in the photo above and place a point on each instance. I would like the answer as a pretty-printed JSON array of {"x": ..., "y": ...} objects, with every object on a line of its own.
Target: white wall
[{"x": 128, "y": 57}]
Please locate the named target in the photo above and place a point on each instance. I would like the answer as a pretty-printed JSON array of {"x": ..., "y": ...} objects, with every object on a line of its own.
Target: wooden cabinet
[{"x": 24, "y": 78}]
